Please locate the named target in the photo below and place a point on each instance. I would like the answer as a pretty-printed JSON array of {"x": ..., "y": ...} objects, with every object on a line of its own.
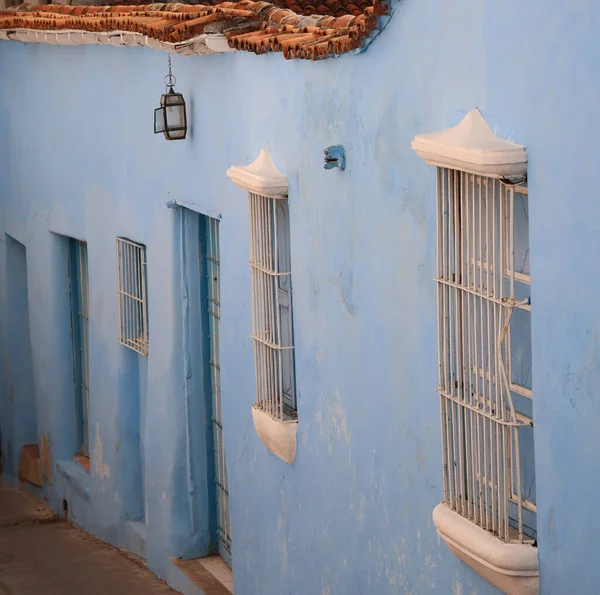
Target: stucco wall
[{"x": 353, "y": 515}]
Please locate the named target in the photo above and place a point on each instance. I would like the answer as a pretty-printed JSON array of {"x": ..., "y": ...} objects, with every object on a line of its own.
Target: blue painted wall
[{"x": 353, "y": 515}]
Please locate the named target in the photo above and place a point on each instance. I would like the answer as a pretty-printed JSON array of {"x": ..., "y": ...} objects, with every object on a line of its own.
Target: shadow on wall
[{"x": 20, "y": 421}]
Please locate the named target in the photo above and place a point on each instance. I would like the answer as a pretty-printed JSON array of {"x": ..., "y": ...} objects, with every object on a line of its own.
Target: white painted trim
[
  {"x": 511, "y": 567},
  {"x": 471, "y": 146},
  {"x": 218, "y": 43},
  {"x": 277, "y": 435},
  {"x": 201, "y": 45},
  {"x": 260, "y": 177}
]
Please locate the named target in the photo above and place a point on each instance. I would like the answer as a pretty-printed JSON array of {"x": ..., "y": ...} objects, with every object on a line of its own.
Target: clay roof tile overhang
[{"x": 305, "y": 29}]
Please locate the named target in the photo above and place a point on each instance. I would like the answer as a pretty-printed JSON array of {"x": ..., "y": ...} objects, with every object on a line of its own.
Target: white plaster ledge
[
  {"x": 201, "y": 45},
  {"x": 511, "y": 567},
  {"x": 277, "y": 435}
]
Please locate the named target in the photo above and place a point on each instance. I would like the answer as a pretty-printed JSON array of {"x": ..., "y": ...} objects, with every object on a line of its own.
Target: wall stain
[
  {"x": 101, "y": 469},
  {"x": 346, "y": 289},
  {"x": 46, "y": 458}
]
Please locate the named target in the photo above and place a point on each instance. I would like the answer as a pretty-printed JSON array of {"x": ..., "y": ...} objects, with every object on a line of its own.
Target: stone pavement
[{"x": 41, "y": 555}]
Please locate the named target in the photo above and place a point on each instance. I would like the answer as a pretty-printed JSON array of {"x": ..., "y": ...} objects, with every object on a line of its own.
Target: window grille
[
  {"x": 272, "y": 306},
  {"x": 213, "y": 267},
  {"x": 80, "y": 322},
  {"x": 131, "y": 290},
  {"x": 484, "y": 353}
]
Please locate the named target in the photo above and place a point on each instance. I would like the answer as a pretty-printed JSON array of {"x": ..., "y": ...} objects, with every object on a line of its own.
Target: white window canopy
[
  {"x": 260, "y": 177},
  {"x": 472, "y": 147}
]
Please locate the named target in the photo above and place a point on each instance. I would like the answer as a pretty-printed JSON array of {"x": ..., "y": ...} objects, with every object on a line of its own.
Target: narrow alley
[{"x": 42, "y": 554}]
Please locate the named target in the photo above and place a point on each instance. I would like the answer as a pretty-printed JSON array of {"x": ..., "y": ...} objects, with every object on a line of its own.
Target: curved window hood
[
  {"x": 511, "y": 567},
  {"x": 260, "y": 177},
  {"x": 471, "y": 146}
]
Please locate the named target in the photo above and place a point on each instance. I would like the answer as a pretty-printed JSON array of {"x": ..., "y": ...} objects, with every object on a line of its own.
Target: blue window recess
[
  {"x": 78, "y": 290},
  {"x": 209, "y": 247}
]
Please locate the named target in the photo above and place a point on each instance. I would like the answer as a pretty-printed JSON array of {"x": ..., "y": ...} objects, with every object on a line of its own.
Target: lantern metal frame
[{"x": 170, "y": 99}]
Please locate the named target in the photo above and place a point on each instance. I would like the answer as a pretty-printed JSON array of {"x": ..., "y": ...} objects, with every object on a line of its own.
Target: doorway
[{"x": 209, "y": 248}]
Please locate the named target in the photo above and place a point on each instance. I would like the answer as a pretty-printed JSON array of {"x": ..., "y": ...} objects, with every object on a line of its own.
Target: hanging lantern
[{"x": 170, "y": 118}]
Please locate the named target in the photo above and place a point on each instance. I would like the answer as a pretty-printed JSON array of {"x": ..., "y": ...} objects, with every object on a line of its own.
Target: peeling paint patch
[
  {"x": 30, "y": 468},
  {"x": 336, "y": 416},
  {"x": 101, "y": 469},
  {"x": 361, "y": 509},
  {"x": 347, "y": 290},
  {"x": 332, "y": 425},
  {"x": 46, "y": 458},
  {"x": 283, "y": 541}
]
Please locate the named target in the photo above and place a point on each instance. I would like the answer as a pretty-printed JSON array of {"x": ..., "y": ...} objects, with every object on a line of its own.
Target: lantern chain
[{"x": 170, "y": 80}]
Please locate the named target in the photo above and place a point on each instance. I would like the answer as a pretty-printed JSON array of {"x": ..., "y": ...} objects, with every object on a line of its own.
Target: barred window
[
  {"x": 484, "y": 349},
  {"x": 272, "y": 306},
  {"x": 132, "y": 296}
]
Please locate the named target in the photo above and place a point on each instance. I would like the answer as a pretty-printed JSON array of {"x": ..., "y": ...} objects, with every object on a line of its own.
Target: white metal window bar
[
  {"x": 272, "y": 306},
  {"x": 483, "y": 310},
  {"x": 213, "y": 267},
  {"x": 131, "y": 289}
]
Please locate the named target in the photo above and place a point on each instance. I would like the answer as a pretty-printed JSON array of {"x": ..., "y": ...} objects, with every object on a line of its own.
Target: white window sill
[
  {"x": 277, "y": 435},
  {"x": 511, "y": 567}
]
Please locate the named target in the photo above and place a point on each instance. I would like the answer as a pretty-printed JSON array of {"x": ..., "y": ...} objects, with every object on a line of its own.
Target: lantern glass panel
[
  {"x": 159, "y": 120},
  {"x": 175, "y": 106},
  {"x": 172, "y": 98},
  {"x": 175, "y": 134},
  {"x": 176, "y": 117}
]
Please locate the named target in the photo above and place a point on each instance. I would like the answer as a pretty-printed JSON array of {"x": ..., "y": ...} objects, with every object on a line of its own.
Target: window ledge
[
  {"x": 511, "y": 567},
  {"x": 77, "y": 476},
  {"x": 83, "y": 461},
  {"x": 277, "y": 435},
  {"x": 210, "y": 574},
  {"x": 135, "y": 537}
]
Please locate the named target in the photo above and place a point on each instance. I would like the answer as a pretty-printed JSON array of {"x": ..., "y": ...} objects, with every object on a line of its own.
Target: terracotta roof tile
[{"x": 306, "y": 29}]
